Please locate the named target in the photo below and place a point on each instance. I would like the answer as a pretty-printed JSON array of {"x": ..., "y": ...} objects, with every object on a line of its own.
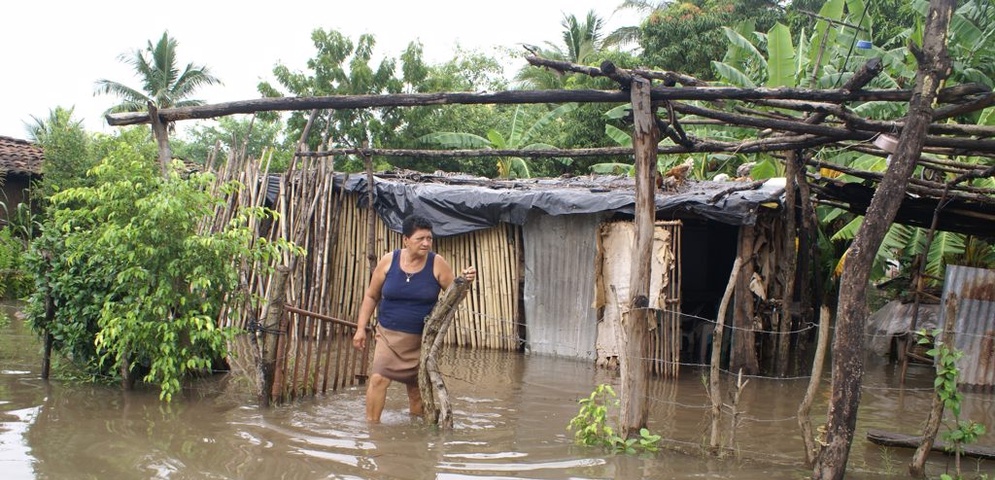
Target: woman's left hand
[{"x": 469, "y": 273}]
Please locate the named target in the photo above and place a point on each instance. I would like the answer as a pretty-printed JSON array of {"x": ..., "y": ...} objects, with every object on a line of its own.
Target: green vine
[{"x": 591, "y": 426}]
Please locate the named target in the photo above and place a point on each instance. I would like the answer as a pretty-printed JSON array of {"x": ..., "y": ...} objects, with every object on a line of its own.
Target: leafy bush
[
  {"x": 14, "y": 281},
  {"x": 131, "y": 279},
  {"x": 591, "y": 425}
]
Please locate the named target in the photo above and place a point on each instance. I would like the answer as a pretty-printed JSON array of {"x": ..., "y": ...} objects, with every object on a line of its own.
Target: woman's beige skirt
[{"x": 396, "y": 355}]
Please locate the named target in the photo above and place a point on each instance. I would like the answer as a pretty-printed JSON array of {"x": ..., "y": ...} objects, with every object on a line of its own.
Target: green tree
[
  {"x": 341, "y": 67},
  {"x": 687, "y": 36},
  {"x": 162, "y": 82},
  {"x": 134, "y": 282},
  {"x": 234, "y": 136},
  {"x": 467, "y": 71}
]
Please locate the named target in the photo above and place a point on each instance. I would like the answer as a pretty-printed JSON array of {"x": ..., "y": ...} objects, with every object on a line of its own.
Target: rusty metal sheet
[{"x": 973, "y": 290}]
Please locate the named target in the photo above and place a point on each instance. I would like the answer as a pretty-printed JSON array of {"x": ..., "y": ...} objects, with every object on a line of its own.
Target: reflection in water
[{"x": 510, "y": 414}]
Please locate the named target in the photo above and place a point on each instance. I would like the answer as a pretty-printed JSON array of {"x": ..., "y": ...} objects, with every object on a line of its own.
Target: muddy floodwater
[{"x": 510, "y": 410}]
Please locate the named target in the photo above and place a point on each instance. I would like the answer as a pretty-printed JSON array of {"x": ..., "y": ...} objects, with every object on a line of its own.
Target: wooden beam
[{"x": 510, "y": 97}]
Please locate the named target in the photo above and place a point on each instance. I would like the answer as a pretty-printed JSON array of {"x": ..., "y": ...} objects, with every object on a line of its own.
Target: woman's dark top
[{"x": 406, "y": 299}]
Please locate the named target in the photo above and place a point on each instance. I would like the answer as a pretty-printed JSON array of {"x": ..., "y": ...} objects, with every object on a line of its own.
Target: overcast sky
[{"x": 54, "y": 51}]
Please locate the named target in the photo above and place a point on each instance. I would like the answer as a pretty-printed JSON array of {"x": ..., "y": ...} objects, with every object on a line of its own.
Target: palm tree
[
  {"x": 163, "y": 83},
  {"x": 629, "y": 34},
  {"x": 582, "y": 40}
]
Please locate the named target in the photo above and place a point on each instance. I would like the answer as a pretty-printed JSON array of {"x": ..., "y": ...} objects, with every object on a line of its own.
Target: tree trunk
[
  {"x": 633, "y": 409},
  {"x": 848, "y": 344},
  {"x": 161, "y": 133}
]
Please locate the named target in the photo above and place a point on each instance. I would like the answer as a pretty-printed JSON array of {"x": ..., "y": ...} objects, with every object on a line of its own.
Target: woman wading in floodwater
[{"x": 404, "y": 288}]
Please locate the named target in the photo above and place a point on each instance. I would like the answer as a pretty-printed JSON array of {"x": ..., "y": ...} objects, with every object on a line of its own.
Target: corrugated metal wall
[
  {"x": 560, "y": 252},
  {"x": 970, "y": 292}
]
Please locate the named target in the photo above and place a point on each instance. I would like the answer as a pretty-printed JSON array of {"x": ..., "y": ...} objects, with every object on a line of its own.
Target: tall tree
[
  {"x": 162, "y": 82},
  {"x": 341, "y": 67},
  {"x": 848, "y": 342}
]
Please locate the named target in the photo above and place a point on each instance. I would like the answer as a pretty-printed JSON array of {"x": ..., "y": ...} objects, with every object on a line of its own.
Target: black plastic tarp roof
[{"x": 461, "y": 205}]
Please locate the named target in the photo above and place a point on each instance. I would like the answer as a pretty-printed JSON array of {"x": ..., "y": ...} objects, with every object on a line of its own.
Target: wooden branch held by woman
[{"x": 430, "y": 380}]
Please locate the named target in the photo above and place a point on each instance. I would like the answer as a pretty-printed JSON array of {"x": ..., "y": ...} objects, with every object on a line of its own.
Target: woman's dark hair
[{"x": 413, "y": 223}]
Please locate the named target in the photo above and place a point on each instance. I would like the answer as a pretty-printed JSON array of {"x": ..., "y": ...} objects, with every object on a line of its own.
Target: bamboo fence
[{"x": 327, "y": 283}]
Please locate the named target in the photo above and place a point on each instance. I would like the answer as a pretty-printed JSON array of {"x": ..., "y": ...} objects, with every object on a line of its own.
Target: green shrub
[
  {"x": 132, "y": 281},
  {"x": 14, "y": 280}
]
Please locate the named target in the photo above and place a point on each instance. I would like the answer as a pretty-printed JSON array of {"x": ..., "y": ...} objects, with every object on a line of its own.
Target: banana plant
[{"x": 516, "y": 138}]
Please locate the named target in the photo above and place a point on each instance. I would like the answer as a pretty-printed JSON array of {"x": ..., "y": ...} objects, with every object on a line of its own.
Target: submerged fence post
[
  {"x": 714, "y": 387},
  {"x": 46, "y": 361},
  {"x": 266, "y": 337},
  {"x": 805, "y": 408}
]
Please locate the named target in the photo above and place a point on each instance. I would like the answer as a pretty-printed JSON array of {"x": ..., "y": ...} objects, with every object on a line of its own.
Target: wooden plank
[{"x": 892, "y": 439}]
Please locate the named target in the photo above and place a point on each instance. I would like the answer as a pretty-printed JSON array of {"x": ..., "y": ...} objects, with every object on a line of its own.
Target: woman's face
[{"x": 420, "y": 241}]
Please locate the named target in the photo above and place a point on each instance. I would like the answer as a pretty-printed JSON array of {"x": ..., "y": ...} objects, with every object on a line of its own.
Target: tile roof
[{"x": 20, "y": 156}]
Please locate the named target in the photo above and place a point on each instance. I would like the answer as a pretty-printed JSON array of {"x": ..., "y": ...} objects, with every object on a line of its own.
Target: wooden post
[
  {"x": 743, "y": 355},
  {"x": 736, "y": 414},
  {"x": 633, "y": 409},
  {"x": 848, "y": 343},
  {"x": 46, "y": 360},
  {"x": 714, "y": 385},
  {"x": 266, "y": 338},
  {"x": 785, "y": 270},
  {"x": 805, "y": 408},
  {"x": 917, "y": 467},
  {"x": 430, "y": 380},
  {"x": 371, "y": 213}
]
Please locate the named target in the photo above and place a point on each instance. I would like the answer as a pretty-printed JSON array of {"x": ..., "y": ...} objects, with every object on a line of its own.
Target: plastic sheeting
[
  {"x": 894, "y": 319},
  {"x": 464, "y": 206}
]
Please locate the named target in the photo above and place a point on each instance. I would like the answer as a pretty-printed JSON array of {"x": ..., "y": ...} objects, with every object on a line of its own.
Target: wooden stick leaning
[{"x": 430, "y": 380}]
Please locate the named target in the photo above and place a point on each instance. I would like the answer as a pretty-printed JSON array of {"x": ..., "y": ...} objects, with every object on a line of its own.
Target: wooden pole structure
[
  {"x": 805, "y": 408},
  {"x": 510, "y": 97},
  {"x": 714, "y": 385},
  {"x": 266, "y": 337},
  {"x": 633, "y": 408},
  {"x": 848, "y": 342},
  {"x": 430, "y": 381}
]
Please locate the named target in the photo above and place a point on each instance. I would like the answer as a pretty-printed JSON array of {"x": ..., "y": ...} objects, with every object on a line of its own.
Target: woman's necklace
[{"x": 407, "y": 275}]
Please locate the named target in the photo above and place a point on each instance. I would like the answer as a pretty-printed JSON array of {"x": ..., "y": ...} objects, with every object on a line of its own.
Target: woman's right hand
[{"x": 359, "y": 339}]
